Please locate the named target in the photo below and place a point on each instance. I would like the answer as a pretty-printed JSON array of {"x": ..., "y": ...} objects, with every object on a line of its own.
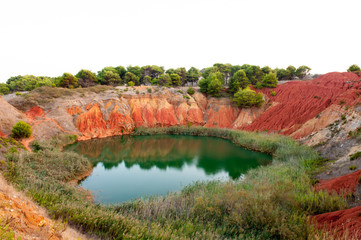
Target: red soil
[
  {"x": 74, "y": 110},
  {"x": 342, "y": 185},
  {"x": 34, "y": 112},
  {"x": 300, "y": 101},
  {"x": 2, "y": 134},
  {"x": 341, "y": 221}
]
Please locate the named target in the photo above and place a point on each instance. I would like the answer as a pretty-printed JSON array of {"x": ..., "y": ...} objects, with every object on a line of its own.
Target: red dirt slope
[
  {"x": 345, "y": 184},
  {"x": 340, "y": 221},
  {"x": 300, "y": 101}
]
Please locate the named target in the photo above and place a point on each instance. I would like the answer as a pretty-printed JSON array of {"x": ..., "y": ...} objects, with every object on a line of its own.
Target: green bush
[
  {"x": 354, "y": 68},
  {"x": 248, "y": 98},
  {"x": 190, "y": 91},
  {"x": 273, "y": 93},
  {"x": 131, "y": 84},
  {"x": 270, "y": 80},
  {"x": 352, "y": 167},
  {"x": 21, "y": 130},
  {"x": 258, "y": 85}
]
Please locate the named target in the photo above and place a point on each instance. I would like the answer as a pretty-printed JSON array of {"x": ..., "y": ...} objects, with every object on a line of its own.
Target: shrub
[
  {"x": 190, "y": 91},
  {"x": 270, "y": 80},
  {"x": 354, "y": 68},
  {"x": 355, "y": 156},
  {"x": 343, "y": 117},
  {"x": 258, "y": 85},
  {"x": 21, "y": 130},
  {"x": 131, "y": 84},
  {"x": 273, "y": 93},
  {"x": 247, "y": 98},
  {"x": 352, "y": 167},
  {"x": 149, "y": 90},
  {"x": 342, "y": 102},
  {"x": 18, "y": 94}
]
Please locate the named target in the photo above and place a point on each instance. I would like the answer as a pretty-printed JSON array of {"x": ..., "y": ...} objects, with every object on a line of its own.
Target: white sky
[{"x": 50, "y": 37}]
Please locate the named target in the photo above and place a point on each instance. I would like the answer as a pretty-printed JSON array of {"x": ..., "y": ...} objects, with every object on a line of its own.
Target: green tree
[
  {"x": 225, "y": 69},
  {"x": 193, "y": 75},
  {"x": 68, "y": 80},
  {"x": 203, "y": 85},
  {"x": 86, "y": 78},
  {"x": 4, "y": 89},
  {"x": 282, "y": 74},
  {"x": 109, "y": 76},
  {"x": 291, "y": 72},
  {"x": 191, "y": 91},
  {"x": 266, "y": 70},
  {"x": 147, "y": 80},
  {"x": 176, "y": 79},
  {"x": 246, "y": 98},
  {"x": 254, "y": 74},
  {"x": 239, "y": 80},
  {"x": 354, "y": 68},
  {"x": 270, "y": 80},
  {"x": 136, "y": 70},
  {"x": 302, "y": 71},
  {"x": 152, "y": 71},
  {"x": 121, "y": 71},
  {"x": 130, "y": 77},
  {"x": 214, "y": 85},
  {"x": 21, "y": 130},
  {"x": 182, "y": 72},
  {"x": 235, "y": 68},
  {"x": 165, "y": 80}
]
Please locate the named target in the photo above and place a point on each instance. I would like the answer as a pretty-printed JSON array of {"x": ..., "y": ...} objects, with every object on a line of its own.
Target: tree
[
  {"x": 266, "y": 70},
  {"x": 151, "y": 71},
  {"x": 239, "y": 80},
  {"x": 203, "y": 85},
  {"x": 214, "y": 85},
  {"x": 193, "y": 75},
  {"x": 354, "y": 68},
  {"x": 225, "y": 69},
  {"x": 86, "y": 78},
  {"x": 302, "y": 71},
  {"x": 130, "y": 77},
  {"x": 68, "y": 81},
  {"x": 234, "y": 69},
  {"x": 21, "y": 130},
  {"x": 254, "y": 74},
  {"x": 4, "y": 89},
  {"x": 176, "y": 79},
  {"x": 247, "y": 98},
  {"x": 182, "y": 72},
  {"x": 270, "y": 80},
  {"x": 136, "y": 70},
  {"x": 281, "y": 73},
  {"x": 191, "y": 91},
  {"x": 291, "y": 72},
  {"x": 121, "y": 71},
  {"x": 165, "y": 80},
  {"x": 109, "y": 76}
]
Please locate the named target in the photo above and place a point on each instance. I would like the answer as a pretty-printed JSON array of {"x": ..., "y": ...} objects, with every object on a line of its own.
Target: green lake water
[{"x": 131, "y": 167}]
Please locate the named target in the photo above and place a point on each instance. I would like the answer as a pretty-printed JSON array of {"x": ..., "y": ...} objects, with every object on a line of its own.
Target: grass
[
  {"x": 271, "y": 202},
  {"x": 5, "y": 232}
]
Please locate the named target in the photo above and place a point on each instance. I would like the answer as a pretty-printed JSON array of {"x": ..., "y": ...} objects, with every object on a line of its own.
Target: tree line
[{"x": 148, "y": 75}]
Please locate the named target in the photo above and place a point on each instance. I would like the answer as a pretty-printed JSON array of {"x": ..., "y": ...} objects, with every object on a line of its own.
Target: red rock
[
  {"x": 343, "y": 184},
  {"x": 74, "y": 110}
]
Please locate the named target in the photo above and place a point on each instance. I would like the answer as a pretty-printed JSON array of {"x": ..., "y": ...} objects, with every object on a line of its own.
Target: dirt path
[{"x": 28, "y": 220}]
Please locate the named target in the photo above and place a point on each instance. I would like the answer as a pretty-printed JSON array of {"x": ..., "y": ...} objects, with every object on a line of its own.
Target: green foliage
[
  {"x": 131, "y": 84},
  {"x": 68, "y": 81},
  {"x": 190, "y": 91},
  {"x": 136, "y": 70},
  {"x": 121, "y": 71},
  {"x": 355, "y": 156},
  {"x": 248, "y": 98},
  {"x": 86, "y": 78},
  {"x": 302, "y": 71},
  {"x": 203, "y": 85},
  {"x": 273, "y": 93},
  {"x": 176, "y": 79},
  {"x": 4, "y": 89},
  {"x": 193, "y": 75},
  {"x": 165, "y": 80},
  {"x": 354, "y": 68},
  {"x": 21, "y": 130},
  {"x": 266, "y": 70},
  {"x": 109, "y": 76},
  {"x": 130, "y": 77},
  {"x": 215, "y": 85},
  {"x": 152, "y": 71},
  {"x": 291, "y": 72},
  {"x": 27, "y": 82},
  {"x": 239, "y": 80},
  {"x": 258, "y": 85},
  {"x": 353, "y": 167},
  {"x": 270, "y": 80},
  {"x": 254, "y": 73}
]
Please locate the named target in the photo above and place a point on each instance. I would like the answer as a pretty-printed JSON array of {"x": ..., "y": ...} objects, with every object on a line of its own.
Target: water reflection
[{"x": 211, "y": 155}]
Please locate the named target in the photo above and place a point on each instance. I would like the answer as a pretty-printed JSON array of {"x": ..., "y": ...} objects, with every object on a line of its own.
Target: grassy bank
[{"x": 272, "y": 202}]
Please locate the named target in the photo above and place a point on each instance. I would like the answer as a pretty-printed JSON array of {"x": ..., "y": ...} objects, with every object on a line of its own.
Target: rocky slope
[{"x": 320, "y": 113}]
